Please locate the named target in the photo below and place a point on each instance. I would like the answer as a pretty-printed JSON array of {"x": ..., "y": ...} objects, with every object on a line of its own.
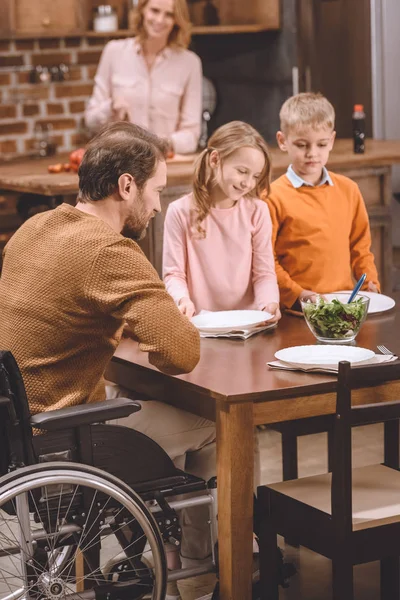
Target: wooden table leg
[{"x": 235, "y": 471}]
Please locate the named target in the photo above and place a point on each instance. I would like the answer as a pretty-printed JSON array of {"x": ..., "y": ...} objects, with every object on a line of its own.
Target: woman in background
[{"x": 152, "y": 79}]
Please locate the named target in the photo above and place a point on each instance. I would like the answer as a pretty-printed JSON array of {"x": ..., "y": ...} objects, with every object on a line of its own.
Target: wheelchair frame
[{"x": 73, "y": 447}]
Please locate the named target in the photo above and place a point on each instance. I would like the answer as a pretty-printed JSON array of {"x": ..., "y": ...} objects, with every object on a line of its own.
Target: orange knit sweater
[
  {"x": 68, "y": 284},
  {"x": 321, "y": 237}
]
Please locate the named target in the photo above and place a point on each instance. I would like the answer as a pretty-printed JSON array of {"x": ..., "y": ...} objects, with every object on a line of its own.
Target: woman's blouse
[
  {"x": 232, "y": 267},
  {"x": 166, "y": 99}
]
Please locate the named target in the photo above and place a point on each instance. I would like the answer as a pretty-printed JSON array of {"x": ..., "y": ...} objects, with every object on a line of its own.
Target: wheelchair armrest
[{"x": 84, "y": 414}]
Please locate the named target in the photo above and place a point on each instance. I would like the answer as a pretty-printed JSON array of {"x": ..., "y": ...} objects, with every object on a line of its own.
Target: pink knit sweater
[{"x": 231, "y": 268}]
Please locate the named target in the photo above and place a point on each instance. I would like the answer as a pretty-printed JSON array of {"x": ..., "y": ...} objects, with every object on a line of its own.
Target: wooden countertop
[{"x": 31, "y": 176}]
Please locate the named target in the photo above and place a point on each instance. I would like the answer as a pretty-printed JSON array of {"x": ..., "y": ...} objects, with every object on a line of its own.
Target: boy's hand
[
  {"x": 273, "y": 308},
  {"x": 372, "y": 287},
  {"x": 186, "y": 307},
  {"x": 305, "y": 294}
]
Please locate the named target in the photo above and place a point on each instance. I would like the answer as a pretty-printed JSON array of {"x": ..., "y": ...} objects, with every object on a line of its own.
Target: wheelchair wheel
[{"x": 61, "y": 523}]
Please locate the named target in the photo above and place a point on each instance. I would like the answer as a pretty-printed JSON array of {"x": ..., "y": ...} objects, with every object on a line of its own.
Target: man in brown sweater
[{"x": 73, "y": 277}]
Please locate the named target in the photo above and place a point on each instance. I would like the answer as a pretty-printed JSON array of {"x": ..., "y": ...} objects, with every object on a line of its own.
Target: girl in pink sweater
[{"x": 217, "y": 240}]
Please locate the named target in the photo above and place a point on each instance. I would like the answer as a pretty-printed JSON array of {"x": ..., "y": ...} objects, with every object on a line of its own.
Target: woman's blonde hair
[
  {"x": 306, "y": 110},
  {"x": 226, "y": 140},
  {"x": 181, "y": 33}
]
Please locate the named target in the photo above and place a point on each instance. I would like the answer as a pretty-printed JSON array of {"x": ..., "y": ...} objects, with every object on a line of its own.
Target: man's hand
[
  {"x": 273, "y": 308},
  {"x": 128, "y": 333},
  {"x": 372, "y": 287},
  {"x": 186, "y": 307}
]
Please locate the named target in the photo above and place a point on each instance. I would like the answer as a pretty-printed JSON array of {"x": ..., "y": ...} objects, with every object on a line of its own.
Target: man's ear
[
  {"x": 125, "y": 185},
  {"x": 281, "y": 139}
]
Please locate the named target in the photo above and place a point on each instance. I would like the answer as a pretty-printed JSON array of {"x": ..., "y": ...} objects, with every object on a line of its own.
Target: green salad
[{"x": 333, "y": 319}]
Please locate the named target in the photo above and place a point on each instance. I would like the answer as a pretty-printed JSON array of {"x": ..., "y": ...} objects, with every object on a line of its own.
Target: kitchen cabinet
[
  {"x": 236, "y": 16},
  {"x": 237, "y": 12},
  {"x": 63, "y": 18},
  {"x": 41, "y": 17}
]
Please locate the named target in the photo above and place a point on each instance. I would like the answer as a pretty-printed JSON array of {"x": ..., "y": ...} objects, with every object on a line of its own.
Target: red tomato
[{"x": 75, "y": 158}]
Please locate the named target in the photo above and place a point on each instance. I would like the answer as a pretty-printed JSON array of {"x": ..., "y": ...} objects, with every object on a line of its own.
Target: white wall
[
  {"x": 386, "y": 84},
  {"x": 386, "y": 69}
]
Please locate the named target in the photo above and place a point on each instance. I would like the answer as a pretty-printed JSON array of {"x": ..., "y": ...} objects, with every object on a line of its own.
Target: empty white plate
[
  {"x": 323, "y": 355},
  {"x": 228, "y": 320},
  {"x": 377, "y": 302}
]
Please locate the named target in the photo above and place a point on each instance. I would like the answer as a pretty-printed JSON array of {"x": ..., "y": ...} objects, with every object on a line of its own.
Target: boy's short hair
[{"x": 306, "y": 109}]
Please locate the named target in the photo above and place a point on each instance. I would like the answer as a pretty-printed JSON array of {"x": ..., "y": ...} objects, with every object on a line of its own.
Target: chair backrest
[
  {"x": 367, "y": 379},
  {"x": 15, "y": 430}
]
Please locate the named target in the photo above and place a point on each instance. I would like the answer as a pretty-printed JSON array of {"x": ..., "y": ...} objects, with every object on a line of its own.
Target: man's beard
[{"x": 135, "y": 226}]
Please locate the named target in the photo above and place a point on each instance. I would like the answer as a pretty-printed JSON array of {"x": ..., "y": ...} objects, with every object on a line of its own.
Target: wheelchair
[{"x": 86, "y": 507}]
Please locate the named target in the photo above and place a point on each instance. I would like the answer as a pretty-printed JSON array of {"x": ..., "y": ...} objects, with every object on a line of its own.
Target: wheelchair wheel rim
[{"x": 55, "y": 584}]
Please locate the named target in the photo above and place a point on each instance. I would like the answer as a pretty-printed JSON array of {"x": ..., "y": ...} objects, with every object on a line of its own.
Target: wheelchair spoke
[
  {"x": 120, "y": 528},
  {"x": 54, "y": 536},
  {"x": 79, "y": 544},
  {"x": 73, "y": 531}
]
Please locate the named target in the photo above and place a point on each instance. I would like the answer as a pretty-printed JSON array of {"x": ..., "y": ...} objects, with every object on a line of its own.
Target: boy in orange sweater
[{"x": 321, "y": 235}]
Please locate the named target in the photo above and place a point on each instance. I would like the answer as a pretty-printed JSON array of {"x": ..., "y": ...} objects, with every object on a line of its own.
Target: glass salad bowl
[{"x": 332, "y": 320}]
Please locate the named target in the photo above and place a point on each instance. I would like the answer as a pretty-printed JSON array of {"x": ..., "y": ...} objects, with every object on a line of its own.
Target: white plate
[
  {"x": 377, "y": 302},
  {"x": 323, "y": 355},
  {"x": 226, "y": 320}
]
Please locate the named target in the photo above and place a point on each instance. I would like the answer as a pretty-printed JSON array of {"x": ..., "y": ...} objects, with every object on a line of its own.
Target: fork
[{"x": 385, "y": 350}]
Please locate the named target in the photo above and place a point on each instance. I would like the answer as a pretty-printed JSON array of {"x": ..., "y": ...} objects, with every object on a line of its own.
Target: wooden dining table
[{"x": 233, "y": 386}]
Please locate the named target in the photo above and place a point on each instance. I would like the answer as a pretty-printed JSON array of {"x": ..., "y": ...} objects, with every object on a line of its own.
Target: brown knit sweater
[{"x": 68, "y": 284}]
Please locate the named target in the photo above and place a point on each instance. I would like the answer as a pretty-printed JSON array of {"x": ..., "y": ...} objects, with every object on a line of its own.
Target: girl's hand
[
  {"x": 186, "y": 307},
  {"x": 372, "y": 287},
  {"x": 273, "y": 308}
]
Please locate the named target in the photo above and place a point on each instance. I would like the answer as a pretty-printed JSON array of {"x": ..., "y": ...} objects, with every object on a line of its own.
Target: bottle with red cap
[{"x": 359, "y": 128}]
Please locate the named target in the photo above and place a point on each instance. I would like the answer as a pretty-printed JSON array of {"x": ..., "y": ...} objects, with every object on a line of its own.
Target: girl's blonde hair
[
  {"x": 226, "y": 140},
  {"x": 180, "y": 35}
]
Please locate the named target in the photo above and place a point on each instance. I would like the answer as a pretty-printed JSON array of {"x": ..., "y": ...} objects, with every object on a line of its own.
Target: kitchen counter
[
  {"x": 31, "y": 176},
  {"x": 372, "y": 172}
]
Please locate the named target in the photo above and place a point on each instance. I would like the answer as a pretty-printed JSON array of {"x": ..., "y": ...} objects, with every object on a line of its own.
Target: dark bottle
[{"x": 359, "y": 129}]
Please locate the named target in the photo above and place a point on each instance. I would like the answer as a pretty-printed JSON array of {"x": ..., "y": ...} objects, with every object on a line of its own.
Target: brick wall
[
  {"x": 23, "y": 105},
  {"x": 251, "y": 72}
]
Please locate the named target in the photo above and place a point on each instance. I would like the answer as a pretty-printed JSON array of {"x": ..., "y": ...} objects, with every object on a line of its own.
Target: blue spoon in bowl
[{"x": 357, "y": 288}]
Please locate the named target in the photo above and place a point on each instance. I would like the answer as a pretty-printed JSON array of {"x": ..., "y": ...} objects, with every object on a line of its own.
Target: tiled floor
[{"x": 313, "y": 579}]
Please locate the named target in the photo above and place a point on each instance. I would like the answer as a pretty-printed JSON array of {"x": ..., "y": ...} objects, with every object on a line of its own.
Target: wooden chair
[
  {"x": 351, "y": 516},
  {"x": 291, "y": 430}
]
